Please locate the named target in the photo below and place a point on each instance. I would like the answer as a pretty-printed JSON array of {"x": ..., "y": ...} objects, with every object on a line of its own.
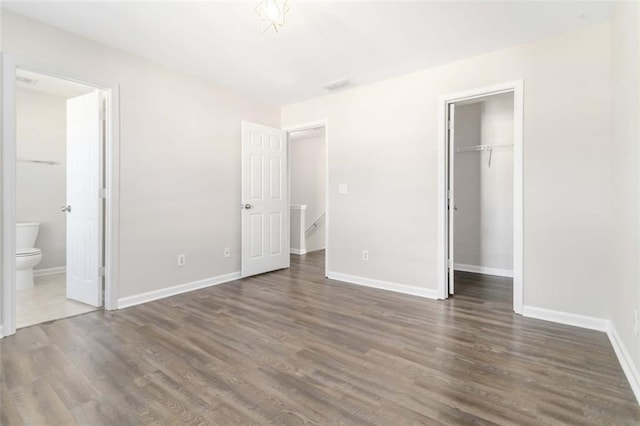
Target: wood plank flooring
[{"x": 290, "y": 347}]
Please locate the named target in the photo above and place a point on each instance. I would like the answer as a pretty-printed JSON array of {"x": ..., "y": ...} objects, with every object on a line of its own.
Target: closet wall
[{"x": 484, "y": 193}]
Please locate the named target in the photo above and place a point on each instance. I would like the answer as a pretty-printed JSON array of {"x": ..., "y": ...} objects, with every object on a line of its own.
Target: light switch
[{"x": 342, "y": 188}]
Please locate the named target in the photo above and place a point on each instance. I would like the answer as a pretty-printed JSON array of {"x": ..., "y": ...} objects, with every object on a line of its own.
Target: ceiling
[
  {"x": 322, "y": 41},
  {"x": 51, "y": 85}
]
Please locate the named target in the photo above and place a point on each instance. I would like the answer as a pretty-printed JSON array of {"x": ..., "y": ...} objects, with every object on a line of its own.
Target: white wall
[
  {"x": 41, "y": 189},
  {"x": 623, "y": 287},
  {"x": 180, "y": 155},
  {"x": 307, "y": 152},
  {"x": 484, "y": 194},
  {"x": 297, "y": 224},
  {"x": 384, "y": 146},
  {"x": 496, "y": 208}
]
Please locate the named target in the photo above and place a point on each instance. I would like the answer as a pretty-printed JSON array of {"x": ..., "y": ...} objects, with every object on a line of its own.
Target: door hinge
[
  {"x": 101, "y": 271},
  {"x": 103, "y": 114},
  {"x": 449, "y": 263},
  {"x": 102, "y": 193},
  {"x": 448, "y": 124}
]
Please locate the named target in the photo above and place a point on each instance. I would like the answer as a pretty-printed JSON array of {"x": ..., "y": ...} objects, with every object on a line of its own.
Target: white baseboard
[
  {"x": 1, "y": 331},
  {"x": 49, "y": 271},
  {"x": 597, "y": 324},
  {"x": 137, "y": 299},
  {"x": 583, "y": 321},
  {"x": 297, "y": 251},
  {"x": 384, "y": 285},
  {"x": 626, "y": 362},
  {"x": 483, "y": 270}
]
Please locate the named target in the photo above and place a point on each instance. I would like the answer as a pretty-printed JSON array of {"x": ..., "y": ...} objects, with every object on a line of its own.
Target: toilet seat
[{"x": 24, "y": 252}]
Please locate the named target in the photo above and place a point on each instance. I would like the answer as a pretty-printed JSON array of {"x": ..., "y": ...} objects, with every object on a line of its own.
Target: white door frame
[
  {"x": 307, "y": 126},
  {"x": 112, "y": 192},
  {"x": 517, "y": 88}
]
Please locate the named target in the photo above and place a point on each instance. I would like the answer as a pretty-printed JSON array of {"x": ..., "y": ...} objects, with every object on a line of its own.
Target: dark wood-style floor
[{"x": 293, "y": 348}]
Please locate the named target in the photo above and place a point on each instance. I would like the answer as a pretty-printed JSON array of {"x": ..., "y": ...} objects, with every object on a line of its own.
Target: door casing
[
  {"x": 517, "y": 88},
  {"x": 8, "y": 176}
]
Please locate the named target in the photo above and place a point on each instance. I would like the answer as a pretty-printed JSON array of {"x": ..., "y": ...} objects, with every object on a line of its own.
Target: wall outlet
[
  {"x": 635, "y": 321},
  {"x": 342, "y": 188},
  {"x": 365, "y": 254},
  {"x": 182, "y": 259},
  {"x": 227, "y": 252}
]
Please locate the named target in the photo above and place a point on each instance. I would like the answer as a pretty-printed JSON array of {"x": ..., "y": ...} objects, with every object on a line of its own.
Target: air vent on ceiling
[
  {"x": 27, "y": 80},
  {"x": 336, "y": 85}
]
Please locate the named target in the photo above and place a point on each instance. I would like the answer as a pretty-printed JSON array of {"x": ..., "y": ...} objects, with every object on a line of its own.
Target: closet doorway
[{"x": 481, "y": 235}]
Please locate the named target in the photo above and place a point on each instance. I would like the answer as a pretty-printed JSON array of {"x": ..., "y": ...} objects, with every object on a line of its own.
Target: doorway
[
  {"x": 89, "y": 272},
  {"x": 308, "y": 152},
  {"x": 307, "y": 168},
  {"x": 480, "y": 182},
  {"x": 482, "y": 196},
  {"x": 266, "y": 212},
  {"x": 59, "y": 142}
]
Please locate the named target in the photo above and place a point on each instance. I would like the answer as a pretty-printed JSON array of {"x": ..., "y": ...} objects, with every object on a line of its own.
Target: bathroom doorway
[
  {"x": 58, "y": 209},
  {"x": 307, "y": 148}
]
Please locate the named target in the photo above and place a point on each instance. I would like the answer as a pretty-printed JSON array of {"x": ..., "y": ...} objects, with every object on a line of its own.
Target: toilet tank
[{"x": 26, "y": 234}]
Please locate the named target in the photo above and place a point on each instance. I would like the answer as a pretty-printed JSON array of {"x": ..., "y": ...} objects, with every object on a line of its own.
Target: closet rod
[
  {"x": 48, "y": 162},
  {"x": 480, "y": 147}
]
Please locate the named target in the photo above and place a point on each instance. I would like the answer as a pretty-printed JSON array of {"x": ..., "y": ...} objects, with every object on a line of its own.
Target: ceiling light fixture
[{"x": 271, "y": 13}]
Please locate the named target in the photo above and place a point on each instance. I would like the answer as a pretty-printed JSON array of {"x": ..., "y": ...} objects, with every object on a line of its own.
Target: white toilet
[{"x": 27, "y": 256}]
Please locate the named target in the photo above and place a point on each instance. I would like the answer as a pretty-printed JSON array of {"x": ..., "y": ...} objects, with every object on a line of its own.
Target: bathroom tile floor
[{"x": 46, "y": 301}]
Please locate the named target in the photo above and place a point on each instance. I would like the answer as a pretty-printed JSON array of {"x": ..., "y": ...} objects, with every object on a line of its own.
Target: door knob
[
  {"x": 66, "y": 209},
  {"x": 246, "y": 206}
]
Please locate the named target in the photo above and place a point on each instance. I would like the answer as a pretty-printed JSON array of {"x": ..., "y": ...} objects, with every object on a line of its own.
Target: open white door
[
  {"x": 450, "y": 186},
  {"x": 265, "y": 209},
  {"x": 84, "y": 202}
]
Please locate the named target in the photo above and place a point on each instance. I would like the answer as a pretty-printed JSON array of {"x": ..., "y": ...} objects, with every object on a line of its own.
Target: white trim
[
  {"x": 8, "y": 172},
  {"x": 149, "y": 296},
  {"x": 314, "y": 125},
  {"x": 112, "y": 200},
  {"x": 626, "y": 362},
  {"x": 566, "y": 318},
  {"x": 483, "y": 270},
  {"x": 298, "y": 206},
  {"x": 517, "y": 87},
  {"x": 385, "y": 285},
  {"x": 597, "y": 324},
  {"x": 49, "y": 271},
  {"x": 297, "y": 251},
  {"x": 518, "y": 196}
]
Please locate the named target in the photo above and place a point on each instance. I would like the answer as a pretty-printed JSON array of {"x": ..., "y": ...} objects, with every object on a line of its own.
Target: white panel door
[
  {"x": 84, "y": 204},
  {"x": 265, "y": 199},
  {"x": 450, "y": 186}
]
